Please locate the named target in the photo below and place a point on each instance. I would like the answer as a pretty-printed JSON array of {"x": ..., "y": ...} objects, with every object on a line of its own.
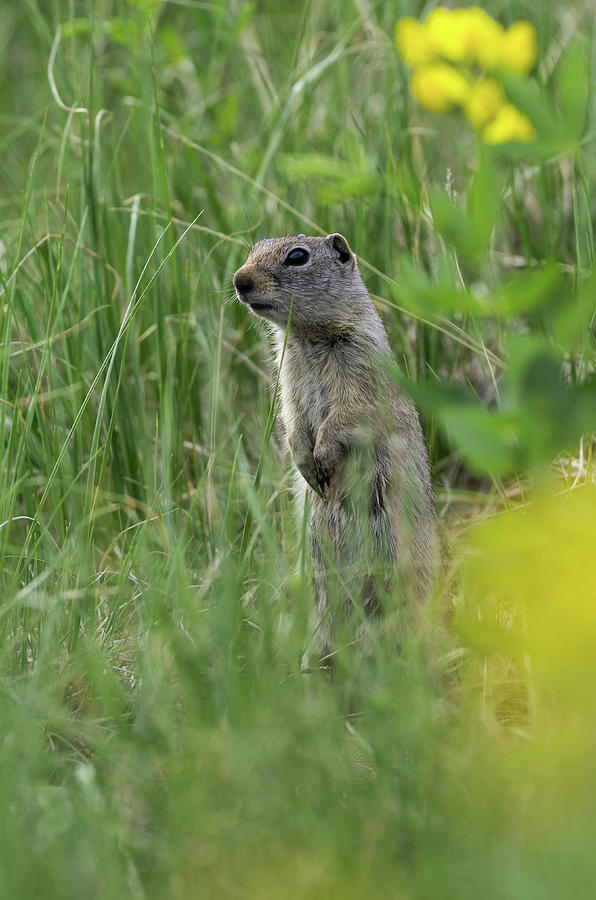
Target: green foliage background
[{"x": 157, "y": 736}]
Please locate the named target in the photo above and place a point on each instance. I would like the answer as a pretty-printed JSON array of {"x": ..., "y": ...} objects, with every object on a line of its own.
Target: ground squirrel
[{"x": 356, "y": 441}]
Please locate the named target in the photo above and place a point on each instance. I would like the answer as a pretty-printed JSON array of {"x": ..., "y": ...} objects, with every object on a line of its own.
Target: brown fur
[{"x": 355, "y": 440}]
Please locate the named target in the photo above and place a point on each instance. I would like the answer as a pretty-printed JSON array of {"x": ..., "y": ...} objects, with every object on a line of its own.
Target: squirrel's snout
[{"x": 243, "y": 283}]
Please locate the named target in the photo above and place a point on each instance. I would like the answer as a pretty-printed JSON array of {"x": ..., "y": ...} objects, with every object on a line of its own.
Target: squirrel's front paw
[
  {"x": 305, "y": 464},
  {"x": 325, "y": 462},
  {"x": 309, "y": 472}
]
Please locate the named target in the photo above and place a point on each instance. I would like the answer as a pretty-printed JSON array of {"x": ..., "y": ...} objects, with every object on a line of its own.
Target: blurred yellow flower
[
  {"x": 445, "y": 31},
  {"x": 484, "y": 37},
  {"x": 439, "y": 87},
  {"x": 509, "y": 124},
  {"x": 446, "y": 51},
  {"x": 412, "y": 42},
  {"x": 519, "y": 48},
  {"x": 542, "y": 558},
  {"x": 467, "y": 35},
  {"x": 484, "y": 101},
  {"x": 464, "y": 35}
]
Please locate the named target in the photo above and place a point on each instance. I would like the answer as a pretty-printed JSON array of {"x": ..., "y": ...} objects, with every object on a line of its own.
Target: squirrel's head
[{"x": 316, "y": 277}]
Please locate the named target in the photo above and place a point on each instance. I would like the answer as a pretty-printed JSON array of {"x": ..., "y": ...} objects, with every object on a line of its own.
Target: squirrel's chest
[{"x": 312, "y": 385}]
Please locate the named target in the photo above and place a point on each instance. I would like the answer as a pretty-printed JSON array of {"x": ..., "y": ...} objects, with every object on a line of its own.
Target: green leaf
[
  {"x": 532, "y": 100},
  {"x": 524, "y": 293},
  {"x": 576, "y": 316},
  {"x": 487, "y": 439},
  {"x": 244, "y": 18},
  {"x": 469, "y": 229},
  {"x": 527, "y": 291},
  {"x": 573, "y": 81},
  {"x": 343, "y": 179}
]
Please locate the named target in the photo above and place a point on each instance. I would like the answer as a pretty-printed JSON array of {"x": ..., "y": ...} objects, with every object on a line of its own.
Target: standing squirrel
[{"x": 355, "y": 440}]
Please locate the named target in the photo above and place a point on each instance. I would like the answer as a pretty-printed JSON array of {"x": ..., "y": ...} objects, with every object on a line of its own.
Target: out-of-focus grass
[{"x": 158, "y": 738}]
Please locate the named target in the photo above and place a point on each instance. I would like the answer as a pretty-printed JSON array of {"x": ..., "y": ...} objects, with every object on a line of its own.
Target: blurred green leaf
[
  {"x": 226, "y": 114},
  {"x": 527, "y": 291},
  {"x": 122, "y": 31},
  {"x": 524, "y": 293},
  {"x": 418, "y": 293},
  {"x": 244, "y": 18},
  {"x": 343, "y": 179},
  {"x": 486, "y": 438},
  {"x": 553, "y": 133},
  {"x": 553, "y": 413},
  {"x": 575, "y": 317},
  {"x": 540, "y": 414},
  {"x": 297, "y": 166},
  {"x": 485, "y": 198},
  {"x": 573, "y": 83},
  {"x": 357, "y": 185},
  {"x": 172, "y": 44},
  {"x": 455, "y": 226},
  {"x": 469, "y": 226}
]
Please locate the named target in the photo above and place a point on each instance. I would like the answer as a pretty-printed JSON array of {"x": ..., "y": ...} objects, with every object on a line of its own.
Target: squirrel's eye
[{"x": 297, "y": 257}]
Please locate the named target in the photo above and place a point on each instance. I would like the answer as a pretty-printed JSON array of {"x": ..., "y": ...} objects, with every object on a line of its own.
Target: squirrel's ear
[{"x": 339, "y": 247}]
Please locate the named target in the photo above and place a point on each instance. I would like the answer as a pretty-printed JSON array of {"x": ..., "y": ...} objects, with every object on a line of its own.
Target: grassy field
[{"x": 157, "y": 736}]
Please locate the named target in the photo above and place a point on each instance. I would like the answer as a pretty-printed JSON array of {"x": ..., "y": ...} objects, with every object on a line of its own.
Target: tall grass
[{"x": 158, "y": 737}]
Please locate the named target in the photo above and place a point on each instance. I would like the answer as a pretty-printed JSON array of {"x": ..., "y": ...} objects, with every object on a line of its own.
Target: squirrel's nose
[{"x": 243, "y": 282}]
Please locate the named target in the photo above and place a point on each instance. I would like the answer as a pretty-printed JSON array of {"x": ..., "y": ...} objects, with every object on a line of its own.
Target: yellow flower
[
  {"x": 467, "y": 35},
  {"x": 445, "y": 30},
  {"x": 519, "y": 48},
  {"x": 445, "y": 52},
  {"x": 484, "y": 101},
  {"x": 439, "y": 87},
  {"x": 484, "y": 37},
  {"x": 509, "y": 125},
  {"x": 412, "y": 42},
  {"x": 464, "y": 35}
]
